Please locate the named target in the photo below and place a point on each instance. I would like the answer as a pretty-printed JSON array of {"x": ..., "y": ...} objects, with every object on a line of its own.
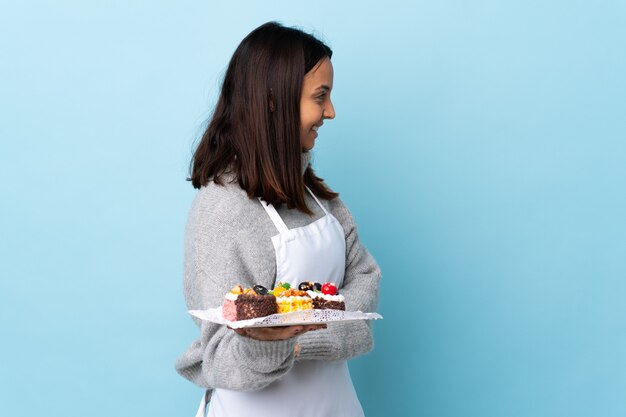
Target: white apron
[{"x": 315, "y": 252}]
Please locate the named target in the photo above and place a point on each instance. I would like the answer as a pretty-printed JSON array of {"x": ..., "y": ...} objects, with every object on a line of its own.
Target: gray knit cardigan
[{"x": 228, "y": 242}]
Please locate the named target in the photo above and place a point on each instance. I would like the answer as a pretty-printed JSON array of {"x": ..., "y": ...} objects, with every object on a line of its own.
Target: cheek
[{"x": 310, "y": 115}]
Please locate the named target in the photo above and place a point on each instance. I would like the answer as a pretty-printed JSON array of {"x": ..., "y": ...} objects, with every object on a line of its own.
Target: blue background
[{"x": 479, "y": 145}]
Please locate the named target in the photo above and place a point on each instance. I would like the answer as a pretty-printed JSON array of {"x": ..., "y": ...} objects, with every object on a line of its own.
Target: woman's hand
[{"x": 277, "y": 333}]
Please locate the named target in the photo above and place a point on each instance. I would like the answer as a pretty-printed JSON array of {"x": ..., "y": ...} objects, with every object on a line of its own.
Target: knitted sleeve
[
  {"x": 215, "y": 261},
  {"x": 342, "y": 341}
]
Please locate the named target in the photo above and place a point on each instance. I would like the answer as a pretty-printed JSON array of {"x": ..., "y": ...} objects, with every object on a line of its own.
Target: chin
[{"x": 307, "y": 145}]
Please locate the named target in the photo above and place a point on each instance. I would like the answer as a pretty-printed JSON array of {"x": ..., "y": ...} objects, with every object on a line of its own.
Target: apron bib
[{"x": 315, "y": 252}]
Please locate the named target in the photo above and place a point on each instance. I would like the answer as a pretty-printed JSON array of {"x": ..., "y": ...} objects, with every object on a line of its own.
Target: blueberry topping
[{"x": 259, "y": 289}]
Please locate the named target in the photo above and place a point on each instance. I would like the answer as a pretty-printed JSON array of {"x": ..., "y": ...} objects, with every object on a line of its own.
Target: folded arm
[
  {"x": 345, "y": 340},
  {"x": 218, "y": 257}
]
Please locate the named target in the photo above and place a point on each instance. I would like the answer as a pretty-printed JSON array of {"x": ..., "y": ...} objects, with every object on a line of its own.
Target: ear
[{"x": 271, "y": 100}]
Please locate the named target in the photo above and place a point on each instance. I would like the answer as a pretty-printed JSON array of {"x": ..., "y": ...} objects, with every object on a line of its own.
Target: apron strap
[
  {"x": 202, "y": 408},
  {"x": 318, "y": 202},
  {"x": 271, "y": 210},
  {"x": 277, "y": 220}
]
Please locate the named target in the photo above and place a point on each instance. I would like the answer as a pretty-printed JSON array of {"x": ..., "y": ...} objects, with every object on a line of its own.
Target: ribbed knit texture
[{"x": 228, "y": 242}]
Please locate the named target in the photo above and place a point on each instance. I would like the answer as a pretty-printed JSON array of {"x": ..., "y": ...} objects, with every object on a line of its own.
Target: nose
[{"x": 329, "y": 112}]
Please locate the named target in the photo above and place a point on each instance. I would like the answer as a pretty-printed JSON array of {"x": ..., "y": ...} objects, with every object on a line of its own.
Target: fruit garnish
[
  {"x": 317, "y": 286},
  {"x": 249, "y": 291},
  {"x": 329, "y": 288},
  {"x": 259, "y": 289},
  {"x": 278, "y": 291},
  {"x": 293, "y": 292},
  {"x": 285, "y": 285},
  {"x": 237, "y": 290},
  {"x": 305, "y": 286}
]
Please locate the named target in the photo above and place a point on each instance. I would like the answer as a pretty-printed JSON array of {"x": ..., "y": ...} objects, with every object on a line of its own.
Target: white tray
[{"x": 214, "y": 315}]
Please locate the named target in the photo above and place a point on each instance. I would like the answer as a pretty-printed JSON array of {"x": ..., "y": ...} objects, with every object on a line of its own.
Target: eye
[{"x": 321, "y": 97}]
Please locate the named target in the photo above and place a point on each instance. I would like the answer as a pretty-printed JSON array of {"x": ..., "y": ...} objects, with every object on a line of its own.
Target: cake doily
[{"x": 214, "y": 315}]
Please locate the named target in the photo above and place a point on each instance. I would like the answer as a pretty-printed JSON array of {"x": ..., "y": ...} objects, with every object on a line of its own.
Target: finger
[
  {"x": 282, "y": 333},
  {"x": 258, "y": 334},
  {"x": 241, "y": 332},
  {"x": 277, "y": 333},
  {"x": 268, "y": 334},
  {"x": 296, "y": 330}
]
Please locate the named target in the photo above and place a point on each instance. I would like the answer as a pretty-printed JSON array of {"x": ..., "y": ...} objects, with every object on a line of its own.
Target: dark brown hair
[{"x": 261, "y": 145}]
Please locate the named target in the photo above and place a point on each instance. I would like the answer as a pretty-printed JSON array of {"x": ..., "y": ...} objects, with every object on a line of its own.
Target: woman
[{"x": 262, "y": 216}]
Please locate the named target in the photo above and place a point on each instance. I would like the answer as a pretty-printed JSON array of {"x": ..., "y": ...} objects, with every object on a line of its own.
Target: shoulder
[
  {"x": 336, "y": 205},
  {"x": 222, "y": 209},
  {"x": 214, "y": 196},
  {"x": 341, "y": 212}
]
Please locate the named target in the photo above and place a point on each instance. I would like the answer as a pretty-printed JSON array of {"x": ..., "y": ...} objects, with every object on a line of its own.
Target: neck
[{"x": 306, "y": 160}]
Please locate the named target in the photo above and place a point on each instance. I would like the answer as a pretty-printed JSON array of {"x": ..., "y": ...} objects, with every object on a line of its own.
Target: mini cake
[
  {"x": 289, "y": 299},
  {"x": 250, "y": 303},
  {"x": 240, "y": 304},
  {"x": 324, "y": 296}
]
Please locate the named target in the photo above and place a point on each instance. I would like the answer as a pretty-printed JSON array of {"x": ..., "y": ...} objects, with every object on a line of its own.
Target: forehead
[{"x": 321, "y": 74}]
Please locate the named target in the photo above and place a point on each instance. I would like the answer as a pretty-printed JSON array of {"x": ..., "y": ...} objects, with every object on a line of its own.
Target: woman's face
[{"x": 315, "y": 104}]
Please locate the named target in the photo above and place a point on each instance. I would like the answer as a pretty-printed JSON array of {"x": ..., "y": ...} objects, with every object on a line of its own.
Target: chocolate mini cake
[
  {"x": 240, "y": 304},
  {"x": 325, "y": 301},
  {"x": 325, "y": 297},
  {"x": 250, "y": 303}
]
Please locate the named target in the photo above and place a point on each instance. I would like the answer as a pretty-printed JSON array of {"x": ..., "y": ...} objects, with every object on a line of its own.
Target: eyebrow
[{"x": 323, "y": 87}]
